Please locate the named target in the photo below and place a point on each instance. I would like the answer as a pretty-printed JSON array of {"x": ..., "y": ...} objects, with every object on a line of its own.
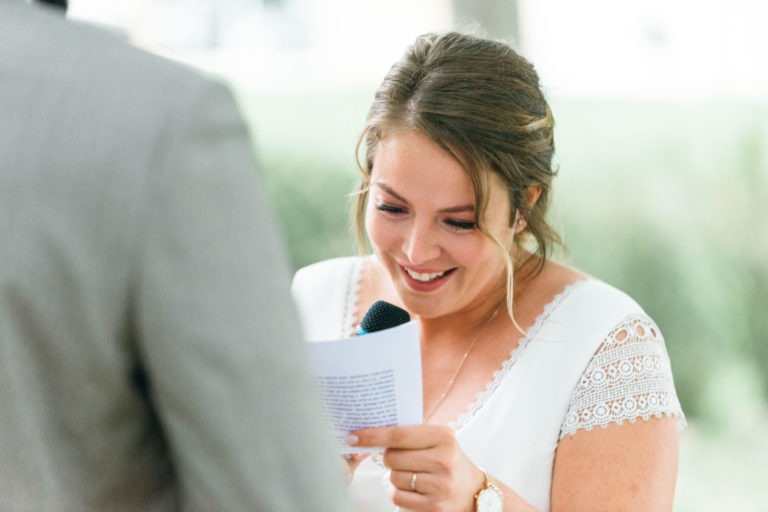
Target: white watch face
[{"x": 490, "y": 500}]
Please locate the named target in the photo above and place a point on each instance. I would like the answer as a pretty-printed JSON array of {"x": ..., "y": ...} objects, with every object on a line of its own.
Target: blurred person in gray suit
[{"x": 150, "y": 356}]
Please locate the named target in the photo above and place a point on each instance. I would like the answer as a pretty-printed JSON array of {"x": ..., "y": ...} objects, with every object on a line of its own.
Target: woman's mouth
[
  {"x": 426, "y": 281},
  {"x": 424, "y": 277}
]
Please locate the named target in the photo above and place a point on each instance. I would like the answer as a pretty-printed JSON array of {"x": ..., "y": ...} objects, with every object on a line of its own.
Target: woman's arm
[
  {"x": 632, "y": 466},
  {"x": 619, "y": 444}
]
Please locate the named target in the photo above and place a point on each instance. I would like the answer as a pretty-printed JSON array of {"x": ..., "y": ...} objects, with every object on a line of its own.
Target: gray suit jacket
[{"x": 150, "y": 357}]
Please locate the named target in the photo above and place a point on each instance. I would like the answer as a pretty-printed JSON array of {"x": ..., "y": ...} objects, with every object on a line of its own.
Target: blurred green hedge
[{"x": 667, "y": 201}]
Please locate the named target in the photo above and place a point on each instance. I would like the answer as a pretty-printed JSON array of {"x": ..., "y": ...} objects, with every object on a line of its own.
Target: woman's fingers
[
  {"x": 402, "y": 479},
  {"x": 408, "y": 500},
  {"x": 425, "y": 460},
  {"x": 429, "y": 470},
  {"x": 411, "y": 448},
  {"x": 412, "y": 437},
  {"x": 409, "y": 489},
  {"x": 423, "y": 483}
]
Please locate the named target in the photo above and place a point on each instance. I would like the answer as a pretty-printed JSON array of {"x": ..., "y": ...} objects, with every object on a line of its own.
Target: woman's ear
[{"x": 532, "y": 194}]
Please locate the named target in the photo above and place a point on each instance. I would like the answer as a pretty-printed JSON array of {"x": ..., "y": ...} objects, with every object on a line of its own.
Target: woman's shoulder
[
  {"x": 628, "y": 374},
  {"x": 597, "y": 293},
  {"x": 584, "y": 309},
  {"x": 589, "y": 292}
]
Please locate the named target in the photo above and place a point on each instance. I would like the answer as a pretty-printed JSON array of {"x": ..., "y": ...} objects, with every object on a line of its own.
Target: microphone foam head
[{"x": 383, "y": 315}]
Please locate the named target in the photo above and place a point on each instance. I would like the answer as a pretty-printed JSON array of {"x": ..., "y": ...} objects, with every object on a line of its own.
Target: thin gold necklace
[{"x": 461, "y": 363}]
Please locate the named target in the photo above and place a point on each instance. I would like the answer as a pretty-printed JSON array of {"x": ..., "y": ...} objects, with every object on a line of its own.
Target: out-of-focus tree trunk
[{"x": 496, "y": 18}]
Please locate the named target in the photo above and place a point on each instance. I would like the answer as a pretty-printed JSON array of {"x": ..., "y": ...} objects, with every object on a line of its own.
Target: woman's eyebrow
[
  {"x": 451, "y": 209},
  {"x": 389, "y": 190},
  {"x": 459, "y": 209}
]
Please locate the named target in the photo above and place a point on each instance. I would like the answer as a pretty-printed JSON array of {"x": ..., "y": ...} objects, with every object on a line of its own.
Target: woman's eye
[
  {"x": 460, "y": 225},
  {"x": 388, "y": 208}
]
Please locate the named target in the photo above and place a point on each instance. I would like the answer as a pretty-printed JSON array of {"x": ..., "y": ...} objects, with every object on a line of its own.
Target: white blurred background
[{"x": 678, "y": 49}]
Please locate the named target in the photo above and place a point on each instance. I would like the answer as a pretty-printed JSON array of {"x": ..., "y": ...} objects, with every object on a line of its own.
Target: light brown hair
[{"x": 482, "y": 103}]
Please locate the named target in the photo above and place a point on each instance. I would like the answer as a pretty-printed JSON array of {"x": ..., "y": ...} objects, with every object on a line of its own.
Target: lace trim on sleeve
[{"x": 629, "y": 377}]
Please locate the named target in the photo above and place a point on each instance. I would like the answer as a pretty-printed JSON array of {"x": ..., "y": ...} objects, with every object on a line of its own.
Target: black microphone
[{"x": 382, "y": 315}]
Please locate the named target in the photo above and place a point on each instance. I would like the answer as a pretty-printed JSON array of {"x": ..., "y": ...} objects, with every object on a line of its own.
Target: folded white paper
[{"x": 372, "y": 380}]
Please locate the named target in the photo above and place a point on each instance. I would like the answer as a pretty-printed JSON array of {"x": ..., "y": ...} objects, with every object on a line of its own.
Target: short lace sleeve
[{"x": 629, "y": 377}]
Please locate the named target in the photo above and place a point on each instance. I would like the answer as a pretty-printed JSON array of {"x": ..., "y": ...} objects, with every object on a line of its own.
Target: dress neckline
[
  {"x": 352, "y": 297},
  {"x": 348, "y": 327},
  {"x": 532, "y": 332}
]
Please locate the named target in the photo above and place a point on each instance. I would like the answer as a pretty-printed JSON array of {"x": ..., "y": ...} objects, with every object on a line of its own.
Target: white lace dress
[{"x": 592, "y": 358}]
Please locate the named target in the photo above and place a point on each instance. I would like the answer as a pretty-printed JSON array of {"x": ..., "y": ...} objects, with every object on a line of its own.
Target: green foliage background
[{"x": 667, "y": 201}]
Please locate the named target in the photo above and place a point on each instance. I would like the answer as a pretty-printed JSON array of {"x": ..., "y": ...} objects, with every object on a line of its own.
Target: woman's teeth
[{"x": 424, "y": 278}]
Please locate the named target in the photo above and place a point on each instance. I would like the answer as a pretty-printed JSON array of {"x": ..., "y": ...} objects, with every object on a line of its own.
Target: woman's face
[{"x": 420, "y": 220}]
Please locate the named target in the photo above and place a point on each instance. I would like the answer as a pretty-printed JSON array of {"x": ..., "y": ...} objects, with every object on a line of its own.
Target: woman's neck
[{"x": 465, "y": 323}]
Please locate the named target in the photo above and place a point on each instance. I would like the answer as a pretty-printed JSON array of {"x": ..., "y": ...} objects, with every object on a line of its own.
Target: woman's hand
[{"x": 445, "y": 479}]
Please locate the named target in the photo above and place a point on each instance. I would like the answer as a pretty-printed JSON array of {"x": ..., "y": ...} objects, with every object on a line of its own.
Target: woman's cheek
[{"x": 379, "y": 230}]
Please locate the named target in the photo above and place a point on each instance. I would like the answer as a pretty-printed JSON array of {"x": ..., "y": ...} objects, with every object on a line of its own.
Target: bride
[{"x": 522, "y": 356}]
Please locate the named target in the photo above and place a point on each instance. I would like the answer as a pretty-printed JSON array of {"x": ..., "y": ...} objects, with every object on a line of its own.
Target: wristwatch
[{"x": 489, "y": 497}]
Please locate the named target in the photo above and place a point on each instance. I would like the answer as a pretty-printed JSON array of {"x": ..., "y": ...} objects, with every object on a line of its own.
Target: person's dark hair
[
  {"x": 482, "y": 103},
  {"x": 60, "y": 4}
]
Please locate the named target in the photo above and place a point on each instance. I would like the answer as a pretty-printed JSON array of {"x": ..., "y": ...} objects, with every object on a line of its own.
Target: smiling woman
[
  {"x": 421, "y": 223},
  {"x": 521, "y": 356}
]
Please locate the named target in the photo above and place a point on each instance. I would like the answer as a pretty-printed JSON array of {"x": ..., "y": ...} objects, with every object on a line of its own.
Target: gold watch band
[
  {"x": 496, "y": 503},
  {"x": 486, "y": 481}
]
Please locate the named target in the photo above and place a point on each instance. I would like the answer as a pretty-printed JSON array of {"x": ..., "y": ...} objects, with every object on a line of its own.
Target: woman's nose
[{"x": 421, "y": 245}]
